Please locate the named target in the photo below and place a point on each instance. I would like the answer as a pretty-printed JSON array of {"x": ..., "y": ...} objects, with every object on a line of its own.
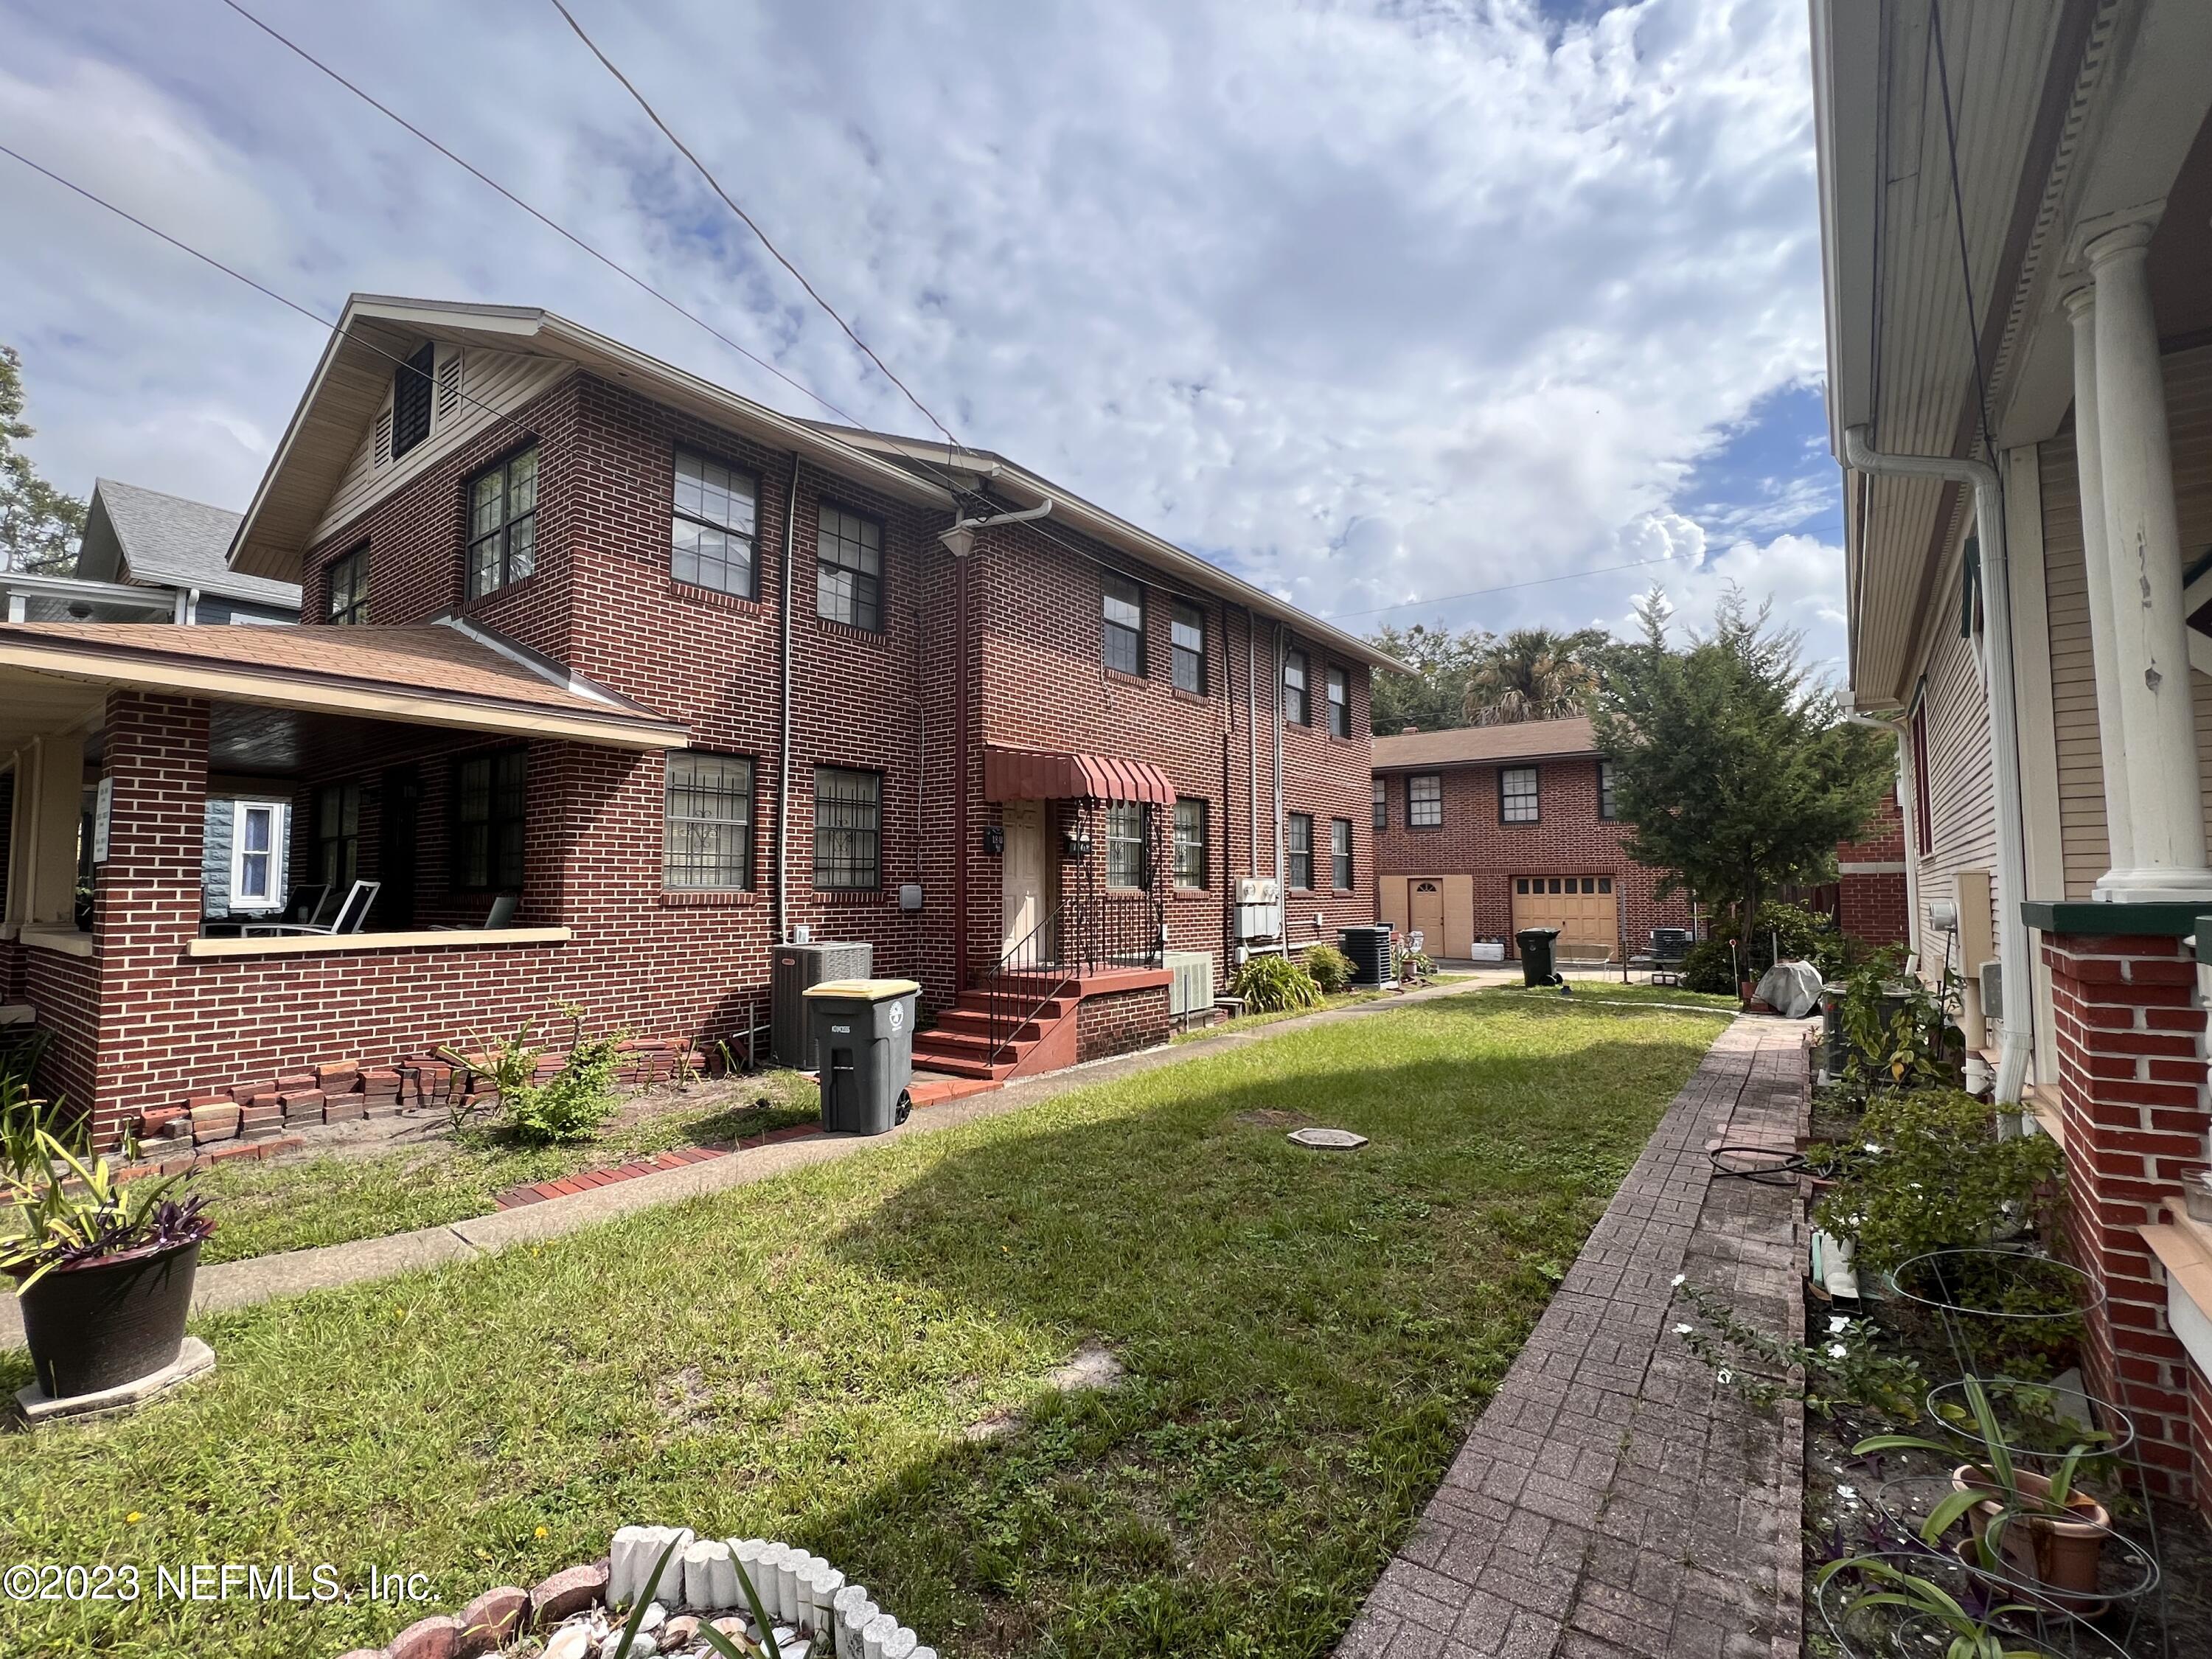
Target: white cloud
[{"x": 1372, "y": 307}]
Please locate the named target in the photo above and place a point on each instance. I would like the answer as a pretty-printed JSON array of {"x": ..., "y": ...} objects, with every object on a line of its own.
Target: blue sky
[{"x": 1375, "y": 303}]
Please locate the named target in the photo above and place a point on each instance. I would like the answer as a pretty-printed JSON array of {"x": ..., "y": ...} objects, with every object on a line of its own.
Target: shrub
[
  {"x": 1271, "y": 984},
  {"x": 569, "y": 1106},
  {"x": 1331, "y": 968},
  {"x": 1707, "y": 968}
]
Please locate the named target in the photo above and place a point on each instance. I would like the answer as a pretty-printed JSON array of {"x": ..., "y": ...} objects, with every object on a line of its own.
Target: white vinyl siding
[
  {"x": 1960, "y": 786},
  {"x": 2082, "y": 846}
]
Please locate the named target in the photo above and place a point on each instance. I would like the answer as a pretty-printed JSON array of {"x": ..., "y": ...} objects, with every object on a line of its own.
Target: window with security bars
[
  {"x": 490, "y": 800},
  {"x": 1382, "y": 805},
  {"x": 849, "y": 810},
  {"x": 1298, "y": 705},
  {"x": 348, "y": 588},
  {"x": 711, "y": 533},
  {"x": 1425, "y": 801},
  {"x": 1338, "y": 687},
  {"x": 1128, "y": 826},
  {"x": 1298, "y": 849},
  {"x": 337, "y": 835},
  {"x": 1605, "y": 806},
  {"x": 1122, "y": 647},
  {"x": 503, "y": 524},
  {"x": 1340, "y": 854},
  {"x": 708, "y": 822},
  {"x": 1516, "y": 794},
  {"x": 1190, "y": 843},
  {"x": 411, "y": 400},
  {"x": 848, "y": 579},
  {"x": 1187, "y": 632}
]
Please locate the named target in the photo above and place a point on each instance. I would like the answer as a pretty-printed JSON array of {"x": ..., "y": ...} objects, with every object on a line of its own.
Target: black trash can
[
  {"x": 1535, "y": 946},
  {"x": 1831, "y": 1026},
  {"x": 863, "y": 1033}
]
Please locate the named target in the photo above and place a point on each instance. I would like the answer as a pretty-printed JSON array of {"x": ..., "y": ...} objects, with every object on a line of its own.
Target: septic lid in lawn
[{"x": 1328, "y": 1141}]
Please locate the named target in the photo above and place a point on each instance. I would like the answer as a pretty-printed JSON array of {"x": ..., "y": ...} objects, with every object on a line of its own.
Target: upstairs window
[
  {"x": 1425, "y": 801},
  {"x": 503, "y": 524},
  {"x": 1517, "y": 795},
  {"x": 338, "y": 835},
  {"x": 1605, "y": 806},
  {"x": 708, "y": 822},
  {"x": 1297, "y": 707},
  {"x": 1298, "y": 849},
  {"x": 1340, "y": 854},
  {"x": 1338, "y": 686},
  {"x": 490, "y": 799},
  {"x": 1188, "y": 636},
  {"x": 1190, "y": 843},
  {"x": 849, "y": 830},
  {"x": 1128, "y": 863},
  {"x": 349, "y": 586},
  {"x": 1382, "y": 805},
  {"x": 710, "y": 537},
  {"x": 849, "y": 571},
  {"x": 411, "y": 386},
  {"x": 1123, "y": 646}
]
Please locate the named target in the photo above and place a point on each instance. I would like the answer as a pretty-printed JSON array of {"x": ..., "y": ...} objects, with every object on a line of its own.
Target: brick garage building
[
  {"x": 543, "y": 679},
  {"x": 1480, "y": 829}
]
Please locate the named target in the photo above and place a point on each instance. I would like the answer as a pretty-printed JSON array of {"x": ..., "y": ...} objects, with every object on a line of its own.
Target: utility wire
[
  {"x": 716, "y": 185},
  {"x": 1959, "y": 219},
  {"x": 1503, "y": 587}
]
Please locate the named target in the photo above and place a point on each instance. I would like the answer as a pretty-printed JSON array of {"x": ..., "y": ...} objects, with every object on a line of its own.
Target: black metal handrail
[{"x": 1088, "y": 932}]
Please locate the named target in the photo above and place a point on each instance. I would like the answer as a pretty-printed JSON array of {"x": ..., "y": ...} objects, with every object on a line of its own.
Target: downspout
[
  {"x": 783, "y": 725},
  {"x": 2017, "y": 1041},
  {"x": 1282, "y": 898},
  {"x": 1251, "y": 745}
]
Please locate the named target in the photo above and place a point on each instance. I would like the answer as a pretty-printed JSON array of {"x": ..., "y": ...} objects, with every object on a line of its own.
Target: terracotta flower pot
[{"x": 2059, "y": 1553}]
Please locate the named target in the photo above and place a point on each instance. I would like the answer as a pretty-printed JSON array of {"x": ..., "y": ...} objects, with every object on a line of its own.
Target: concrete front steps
[{"x": 959, "y": 1044}]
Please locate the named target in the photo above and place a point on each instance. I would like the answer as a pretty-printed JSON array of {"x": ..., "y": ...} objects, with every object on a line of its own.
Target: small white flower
[
  {"x": 1838, "y": 1351},
  {"x": 1849, "y": 1494},
  {"x": 1724, "y": 1376},
  {"x": 1871, "y": 1147},
  {"x": 1681, "y": 1330},
  {"x": 1679, "y": 1278},
  {"x": 1837, "y": 1325}
]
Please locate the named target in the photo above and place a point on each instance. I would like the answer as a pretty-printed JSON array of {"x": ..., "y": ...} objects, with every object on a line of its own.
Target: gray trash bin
[{"x": 863, "y": 1032}]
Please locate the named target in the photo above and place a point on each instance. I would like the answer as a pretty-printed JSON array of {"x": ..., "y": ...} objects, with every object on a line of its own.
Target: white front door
[{"x": 1027, "y": 872}]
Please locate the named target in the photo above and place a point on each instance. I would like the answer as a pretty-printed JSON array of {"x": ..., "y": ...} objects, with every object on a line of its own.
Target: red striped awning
[{"x": 1037, "y": 774}]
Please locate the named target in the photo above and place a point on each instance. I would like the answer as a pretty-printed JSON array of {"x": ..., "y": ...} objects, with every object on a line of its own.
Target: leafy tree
[
  {"x": 1535, "y": 674},
  {"x": 39, "y": 525},
  {"x": 1436, "y": 697},
  {"x": 1735, "y": 771}
]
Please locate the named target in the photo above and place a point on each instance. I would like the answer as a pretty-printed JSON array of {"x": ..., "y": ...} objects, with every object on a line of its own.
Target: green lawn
[
  {"x": 329, "y": 1200},
  {"x": 1612, "y": 990},
  {"x": 1307, "y": 1335}
]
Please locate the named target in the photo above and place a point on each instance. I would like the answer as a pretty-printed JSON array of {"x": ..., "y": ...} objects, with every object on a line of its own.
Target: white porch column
[
  {"x": 2097, "y": 568},
  {"x": 2143, "y": 555}
]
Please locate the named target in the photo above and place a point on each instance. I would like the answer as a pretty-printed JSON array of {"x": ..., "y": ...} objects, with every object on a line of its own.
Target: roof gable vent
[
  {"x": 449, "y": 388},
  {"x": 383, "y": 445}
]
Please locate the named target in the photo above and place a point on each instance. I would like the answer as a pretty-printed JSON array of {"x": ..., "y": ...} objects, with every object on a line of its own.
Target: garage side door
[{"x": 1584, "y": 908}]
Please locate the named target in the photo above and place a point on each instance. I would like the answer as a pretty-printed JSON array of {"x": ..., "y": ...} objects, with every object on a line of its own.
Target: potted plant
[
  {"x": 2064, "y": 1528},
  {"x": 103, "y": 1269},
  {"x": 1924, "y": 1607}
]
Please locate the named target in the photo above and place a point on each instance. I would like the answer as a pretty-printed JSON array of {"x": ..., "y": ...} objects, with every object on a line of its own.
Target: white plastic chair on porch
[
  {"x": 502, "y": 915},
  {"x": 350, "y": 916}
]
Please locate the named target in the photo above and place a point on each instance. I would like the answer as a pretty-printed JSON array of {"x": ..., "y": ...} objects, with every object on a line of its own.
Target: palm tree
[{"x": 1534, "y": 674}]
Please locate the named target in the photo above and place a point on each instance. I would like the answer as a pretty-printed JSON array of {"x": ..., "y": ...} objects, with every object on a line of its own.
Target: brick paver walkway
[{"x": 1612, "y": 1499}]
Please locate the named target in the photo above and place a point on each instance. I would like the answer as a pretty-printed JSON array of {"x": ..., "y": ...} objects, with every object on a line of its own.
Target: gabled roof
[
  {"x": 133, "y": 534},
  {"x": 1477, "y": 745}
]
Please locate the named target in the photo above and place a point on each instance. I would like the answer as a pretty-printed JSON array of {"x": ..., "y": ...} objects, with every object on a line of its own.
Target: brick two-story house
[{"x": 676, "y": 676}]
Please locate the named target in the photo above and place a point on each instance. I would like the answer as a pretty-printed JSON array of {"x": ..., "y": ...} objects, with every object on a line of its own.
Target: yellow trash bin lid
[{"x": 865, "y": 990}]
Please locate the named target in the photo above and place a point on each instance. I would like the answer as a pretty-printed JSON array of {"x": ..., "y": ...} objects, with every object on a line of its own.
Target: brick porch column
[
  {"x": 2129, "y": 1031},
  {"x": 147, "y": 896}
]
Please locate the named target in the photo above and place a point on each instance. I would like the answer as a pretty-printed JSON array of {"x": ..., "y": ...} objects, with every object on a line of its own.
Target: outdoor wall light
[
  {"x": 1078, "y": 849},
  {"x": 994, "y": 839}
]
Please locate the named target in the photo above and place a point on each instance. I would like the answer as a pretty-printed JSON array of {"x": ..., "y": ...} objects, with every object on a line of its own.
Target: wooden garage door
[{"x": 1584, "y": 908}]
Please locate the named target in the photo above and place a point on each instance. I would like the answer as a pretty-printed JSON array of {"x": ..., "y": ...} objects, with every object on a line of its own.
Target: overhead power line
[
  {"x": 1503, "y": 587},
  {"x": 715, "y": 184}
]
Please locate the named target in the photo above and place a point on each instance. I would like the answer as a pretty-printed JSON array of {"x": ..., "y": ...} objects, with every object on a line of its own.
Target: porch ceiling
[{"x": 55, "y": 675}]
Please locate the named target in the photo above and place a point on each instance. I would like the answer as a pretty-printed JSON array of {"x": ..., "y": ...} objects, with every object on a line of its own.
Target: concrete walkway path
[
  {"x": 258, "y": 1279},
  {"x": 1612, "y": 1499}
]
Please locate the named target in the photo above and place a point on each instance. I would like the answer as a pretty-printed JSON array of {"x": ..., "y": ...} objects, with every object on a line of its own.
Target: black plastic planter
[{"x": 110, "y": 1321}]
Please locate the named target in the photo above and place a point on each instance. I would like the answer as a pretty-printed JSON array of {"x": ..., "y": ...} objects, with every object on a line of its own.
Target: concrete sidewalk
[{"x": 259, "y": 1278}]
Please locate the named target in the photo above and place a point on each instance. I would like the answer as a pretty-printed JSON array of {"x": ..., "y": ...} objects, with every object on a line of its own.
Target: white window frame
[{"x": 274, "y": 897}]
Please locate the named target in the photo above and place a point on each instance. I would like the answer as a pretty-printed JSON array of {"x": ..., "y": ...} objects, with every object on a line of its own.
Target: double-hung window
[
  {"x": 348, "y": 588},
  {"x": 1128, "y": 861},
  {"x": 1298, "y": 849},
  {"x": 490, "y": 802},
  {"x": 1190, "y": 842},
  {"x": 849, "y": 571},
  {"x": 1337, "y": 685},
  {"x": 1425, "y": 801},
  {"x": 1517, "y": 795},
  {"x": 1340, "y": 854},
  {"x": 256, "y": 855},
  {"x": 1123, "y": 644},
  {"x": 1188, "y": 635},
  {"x": 338, "y": 835},
  {"x": 1382, "y": 804},
  {"x": 711, "y": 532},
  {"x": 1298, "y": 705},
  {"x": 1605, "y": 804},
  {"x": 848, "y": 830},
  {"x": 503, "y": 523},
  {"x": 708, "y": 822}
]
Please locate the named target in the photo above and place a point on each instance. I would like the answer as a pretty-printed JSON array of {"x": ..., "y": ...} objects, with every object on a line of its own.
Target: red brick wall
[
  {"x": 1121, "y": 1023},
  {"x": 1569, "y": 839},
  {"x": 2129, "y": 1029},
  {"x": 1871, "y": 904},
  {"x": 65, "y": 992}
]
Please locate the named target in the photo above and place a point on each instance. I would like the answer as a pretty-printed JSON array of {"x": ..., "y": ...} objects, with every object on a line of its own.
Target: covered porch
[{"x": 227, "y": 857}]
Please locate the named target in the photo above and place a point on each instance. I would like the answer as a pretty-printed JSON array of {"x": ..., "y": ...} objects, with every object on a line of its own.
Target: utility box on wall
[{"x": 792, "y": 970}]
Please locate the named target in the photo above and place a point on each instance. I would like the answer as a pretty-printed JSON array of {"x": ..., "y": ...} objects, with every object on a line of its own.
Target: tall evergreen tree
[
  {"x": 39, "y": 525},
  {"x": 1535, "y": 674},
  {"x": 1735, "y": 771}
]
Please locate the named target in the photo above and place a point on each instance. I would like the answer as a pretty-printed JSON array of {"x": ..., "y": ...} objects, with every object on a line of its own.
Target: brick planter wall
[{"x": 2129, "y": 1029}]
